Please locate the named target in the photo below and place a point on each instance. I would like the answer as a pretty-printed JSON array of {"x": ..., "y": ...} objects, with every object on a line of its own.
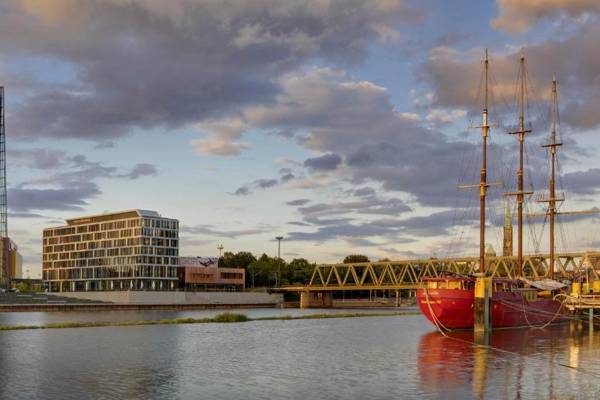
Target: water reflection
[
  {"x": 348, "y": 358},
  {"x": 524, "y": 363}
]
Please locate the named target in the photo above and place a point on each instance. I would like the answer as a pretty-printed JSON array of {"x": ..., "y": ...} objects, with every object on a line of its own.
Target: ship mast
[
  {"x": 552, "y": 200},
  {"x": 520, "y": 193},
  {"x": 483, "y": 174}
]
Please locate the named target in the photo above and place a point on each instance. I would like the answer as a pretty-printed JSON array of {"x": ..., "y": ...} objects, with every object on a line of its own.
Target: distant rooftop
[{"x": 113, "y": 216}]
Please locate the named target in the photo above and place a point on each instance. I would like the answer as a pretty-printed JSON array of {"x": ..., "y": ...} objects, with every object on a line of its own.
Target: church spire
[
  {"x": 507, "y": 215},
  {"x": 507, "y": 245}
]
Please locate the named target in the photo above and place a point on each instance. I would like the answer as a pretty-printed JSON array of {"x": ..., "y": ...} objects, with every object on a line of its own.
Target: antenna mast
[
  {"x": 3, "y": 199},
  {"x": 5, "y": 269}
]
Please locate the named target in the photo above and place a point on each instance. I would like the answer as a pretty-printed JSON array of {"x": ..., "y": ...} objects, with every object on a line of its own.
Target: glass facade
[{"x": 130, "y": 250}]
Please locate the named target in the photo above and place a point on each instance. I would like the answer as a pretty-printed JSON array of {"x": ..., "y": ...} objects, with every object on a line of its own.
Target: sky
[{"x": 343, "y": 126}]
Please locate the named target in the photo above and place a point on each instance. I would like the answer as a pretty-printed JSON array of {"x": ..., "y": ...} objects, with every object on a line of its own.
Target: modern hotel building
[{"x": 128, "y": 250}]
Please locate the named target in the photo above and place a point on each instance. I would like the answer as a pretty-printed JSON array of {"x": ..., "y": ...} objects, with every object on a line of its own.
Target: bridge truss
[{"x": 408, "y": 274}]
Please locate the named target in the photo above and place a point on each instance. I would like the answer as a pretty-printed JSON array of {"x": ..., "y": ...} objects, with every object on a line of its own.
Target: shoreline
[
  {"x": 220, "y": 318},
  {"x": 59, "y": 307}
]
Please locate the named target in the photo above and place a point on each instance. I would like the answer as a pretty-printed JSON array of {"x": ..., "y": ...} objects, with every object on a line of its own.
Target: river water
[{"x": 388, "y": 357}]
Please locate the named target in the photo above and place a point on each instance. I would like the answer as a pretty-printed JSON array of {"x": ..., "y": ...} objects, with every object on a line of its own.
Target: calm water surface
[{"x": 351, "y": 358}]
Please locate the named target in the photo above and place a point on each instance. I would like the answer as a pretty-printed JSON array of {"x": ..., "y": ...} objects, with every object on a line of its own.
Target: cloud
[
  {"x": 517, "y": 16},
  {"x": 326, "y": 111},
  {"x": 71, "y": 199},
  {"x": 242, "y": 191},
  {"x": 299, "y": 202},
  {"x": 37, "y": 158},
  {"x": 326, "y": 162},
  {"x": 222, "y": 138},
  {"x": 583, "y": 182},
  {"x": 144, "y": 64},
  {"x": 141, "y": 170},
  {"x": 266, "y": 183},
  {"x": 441, "y": 117},
  {"x": 285, "y": 175},
  {"x": 210, "y": 230},
  {"x": 25, "y": 215},
  {"x": 454, "y": 77},
  {"x": 320, "y": 213},
  {"x": 71, "y": 187},
  {"x": 366, "y": 191}
]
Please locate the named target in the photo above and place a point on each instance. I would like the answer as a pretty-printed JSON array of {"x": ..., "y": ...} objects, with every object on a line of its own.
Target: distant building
[
  {"x": 128, "y": 250},
  {"x": 12, "y": 262},
  {"x": 203, "y": 273}
]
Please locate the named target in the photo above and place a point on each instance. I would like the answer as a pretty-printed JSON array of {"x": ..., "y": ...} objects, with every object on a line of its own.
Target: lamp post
[
  {"x": 220, "y": 248},
  {"x": 279, "y": 239}
]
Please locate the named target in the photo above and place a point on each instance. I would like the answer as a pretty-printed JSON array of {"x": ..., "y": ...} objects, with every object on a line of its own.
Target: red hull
[{"x": 453, "y": 309}]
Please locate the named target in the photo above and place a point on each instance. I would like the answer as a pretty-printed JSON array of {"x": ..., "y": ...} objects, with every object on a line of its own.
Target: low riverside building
[
  {"x": 127, "y": 250},
  {"x": 203, "y": 273}
]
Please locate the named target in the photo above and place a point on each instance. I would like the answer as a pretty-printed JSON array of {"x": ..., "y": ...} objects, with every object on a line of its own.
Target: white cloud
[{"x": 517, "y": 16}]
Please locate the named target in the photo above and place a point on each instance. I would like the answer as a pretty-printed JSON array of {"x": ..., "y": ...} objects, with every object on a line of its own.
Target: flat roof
[{"x": 111, "y": 216}]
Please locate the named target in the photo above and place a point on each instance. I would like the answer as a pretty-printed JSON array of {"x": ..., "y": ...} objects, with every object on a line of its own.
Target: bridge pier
[{"x": 311, "y": 299}]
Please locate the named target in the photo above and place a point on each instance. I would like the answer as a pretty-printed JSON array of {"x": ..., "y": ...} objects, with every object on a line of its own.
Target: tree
[
  {"x": 226, "y": 261},
  {"x": 263, "y": 272},
  {"x": 242, "y": 259},
  {"x": 355, "y": 258},
  {"x": 298, "y": 272}
]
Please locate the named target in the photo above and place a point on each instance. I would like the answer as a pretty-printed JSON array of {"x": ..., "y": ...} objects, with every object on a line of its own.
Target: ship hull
[{"x": 453, "y": 309}]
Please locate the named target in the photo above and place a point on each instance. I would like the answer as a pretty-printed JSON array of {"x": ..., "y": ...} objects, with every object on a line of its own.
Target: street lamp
[
  {"x": 220, "y": 248},
  {"x": 279, "y": 239}
]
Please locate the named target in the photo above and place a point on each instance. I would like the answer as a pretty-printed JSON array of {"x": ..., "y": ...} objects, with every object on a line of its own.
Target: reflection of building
[
  {"x": 128, "y": 250},
  {"x": 12, "y": 262},
  {"x": 202, "y": 273}
]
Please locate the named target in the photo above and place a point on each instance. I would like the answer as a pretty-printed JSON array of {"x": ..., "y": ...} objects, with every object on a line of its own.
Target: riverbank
[
  {"x": 219, "y": 318},
  {"x": 60, "y": 307},
  {"x": 135, "y": 301}
]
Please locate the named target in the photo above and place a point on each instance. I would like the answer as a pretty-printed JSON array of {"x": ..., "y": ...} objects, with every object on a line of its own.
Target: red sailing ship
[{"x": 448, "y": 301}]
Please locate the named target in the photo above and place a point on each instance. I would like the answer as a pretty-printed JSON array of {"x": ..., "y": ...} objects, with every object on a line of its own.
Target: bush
[{"x": 229, "y": 317}]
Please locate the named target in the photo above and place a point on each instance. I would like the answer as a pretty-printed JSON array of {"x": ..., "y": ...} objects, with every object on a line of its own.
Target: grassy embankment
[{"x": 219, "y": 318}]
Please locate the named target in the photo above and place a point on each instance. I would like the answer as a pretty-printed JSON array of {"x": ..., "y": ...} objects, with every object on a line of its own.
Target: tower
[
  {"x": 507, "y": 248},
  {"x": 4, "y": 271}
]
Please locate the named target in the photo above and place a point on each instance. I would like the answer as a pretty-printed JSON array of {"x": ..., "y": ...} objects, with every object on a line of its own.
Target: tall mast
[
  {"x": 520, "y": 193},
  {"x": 552, "y": 200},
  {"x": 483, "y": 174},
  {"x": 520, "y": 173}
]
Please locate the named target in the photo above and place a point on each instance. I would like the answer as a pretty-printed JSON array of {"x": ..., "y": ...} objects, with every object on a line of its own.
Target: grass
[{"x": 219, "y": 318}]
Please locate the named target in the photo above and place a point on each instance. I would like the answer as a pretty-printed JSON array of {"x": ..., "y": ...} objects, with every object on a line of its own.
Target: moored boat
[{"x": 449, "y": 302}]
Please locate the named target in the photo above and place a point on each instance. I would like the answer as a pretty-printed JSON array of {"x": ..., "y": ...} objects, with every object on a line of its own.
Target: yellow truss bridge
[{"x": 408, "y": 274}]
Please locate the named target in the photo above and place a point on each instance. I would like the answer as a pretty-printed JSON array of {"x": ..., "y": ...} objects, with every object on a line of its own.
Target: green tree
[
  {"x": 263, "y": 272},
  {"x": 227, "y": 260},
  {"x": 298, "y": 272},
  {"x": 355, "y": 258},
  {"x": 242, "y": 259}
]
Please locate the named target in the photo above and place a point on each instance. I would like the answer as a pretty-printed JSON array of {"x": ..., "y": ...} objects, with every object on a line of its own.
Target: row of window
[
  {"x": 231, "y": 275},
  {"x": 110, "y": 261},
  {"x": 112, "y": 285},
  {"x": 112, "y": 252},
  {"x": 119, "y": 243},
  {"x": 108, "y": 272},
  {"x": 108, "y": 226},
  {"x": 126, "y": 233}
]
